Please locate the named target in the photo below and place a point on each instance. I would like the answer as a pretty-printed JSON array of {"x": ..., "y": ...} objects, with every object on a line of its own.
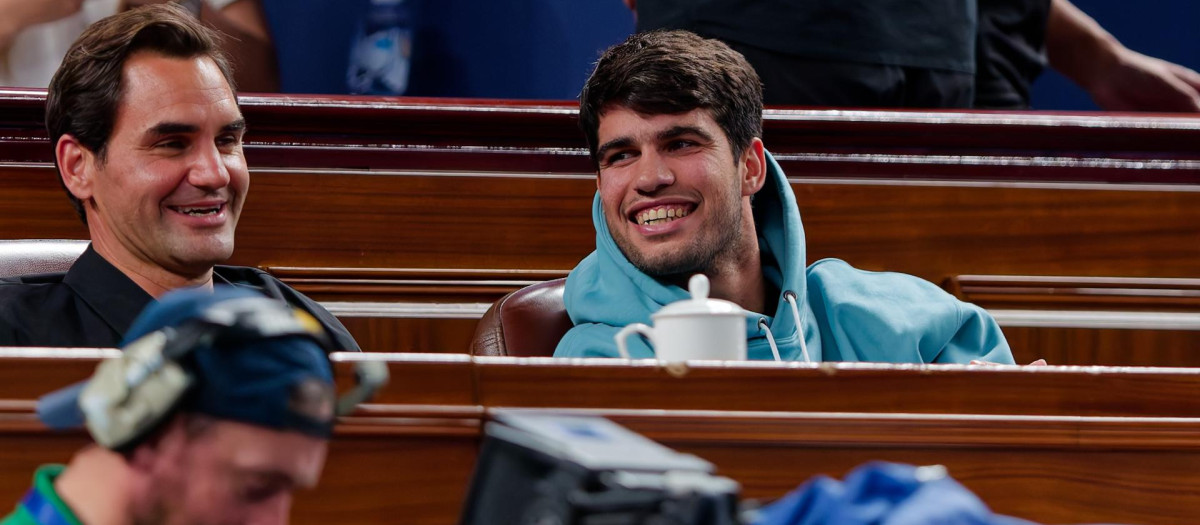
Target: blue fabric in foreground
[{"x": 883, "y": 494}]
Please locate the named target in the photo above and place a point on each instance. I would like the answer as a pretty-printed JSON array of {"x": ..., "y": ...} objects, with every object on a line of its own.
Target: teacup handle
[{"x": 624, "y": 334}]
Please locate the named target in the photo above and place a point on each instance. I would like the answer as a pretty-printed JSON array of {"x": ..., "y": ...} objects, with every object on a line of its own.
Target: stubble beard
[{"x": 716, "y": 242}]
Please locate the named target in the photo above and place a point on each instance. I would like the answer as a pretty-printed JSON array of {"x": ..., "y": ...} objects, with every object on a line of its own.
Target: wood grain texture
[
  {"x": 384, "y": 133},
  {"x": 485, "y": 188},
  {"x": 399, "y": 334},
  {"x": 838, "y": 387},
  {"x": 1112, "y": 347},
  {"x": 1069, "y": 292},
  {"x": 489, "y": 222},
  {"x": 407, "y": 285},
  {"x": 416, "y": 379},
  {"x": 1051, "y": 470},
  {"x": 390, "y": 479},
  {"x": 1057, "y": 444},
  {"x": 452, "y": 238},
  {"x": 425, "y": 380}
]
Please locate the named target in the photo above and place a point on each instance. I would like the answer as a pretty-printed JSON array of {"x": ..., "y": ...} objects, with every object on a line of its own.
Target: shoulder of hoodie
[
  {"x": 597, "y": 340},
  {"x": 889, "y": 296},
  {"x": 587, "y": 340}
]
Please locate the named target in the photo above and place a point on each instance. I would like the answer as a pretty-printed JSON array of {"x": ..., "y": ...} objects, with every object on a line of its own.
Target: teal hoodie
[{"x": 847, "y": 314}]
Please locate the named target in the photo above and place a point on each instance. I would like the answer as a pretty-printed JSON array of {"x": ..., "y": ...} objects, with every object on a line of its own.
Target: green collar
[{"x": 43, "y": 483}]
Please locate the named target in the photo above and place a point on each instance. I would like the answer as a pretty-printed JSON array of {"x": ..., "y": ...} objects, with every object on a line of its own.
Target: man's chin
[
  {"x": 198, "y": 259},
  {"x": 665, "y": 265}
]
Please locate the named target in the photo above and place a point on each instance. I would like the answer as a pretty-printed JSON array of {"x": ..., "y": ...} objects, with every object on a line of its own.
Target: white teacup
[{"x": 696, "y": 328}]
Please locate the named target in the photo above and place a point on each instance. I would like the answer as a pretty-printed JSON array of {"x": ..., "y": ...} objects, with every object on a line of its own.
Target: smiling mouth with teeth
[
  {"x": 661, "y": 215},
  {"x": 197, "y": 211}
]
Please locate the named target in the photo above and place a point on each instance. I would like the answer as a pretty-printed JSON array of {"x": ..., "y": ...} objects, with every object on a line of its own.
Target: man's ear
[
  {"x": 75, "y": 166},
  {"x": 754, "y": 167},
  {"x": 168, "y": 438}
]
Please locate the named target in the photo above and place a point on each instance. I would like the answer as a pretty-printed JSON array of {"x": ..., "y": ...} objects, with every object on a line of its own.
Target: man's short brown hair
[
  {"x": 670, "y": 72},
  {"x": 87, "y": 88}
]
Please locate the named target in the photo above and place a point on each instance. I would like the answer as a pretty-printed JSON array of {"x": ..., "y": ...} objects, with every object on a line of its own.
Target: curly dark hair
[{"x": 669, "y": 72}]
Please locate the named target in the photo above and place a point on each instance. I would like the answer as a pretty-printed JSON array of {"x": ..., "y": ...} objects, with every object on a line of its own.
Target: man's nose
[
  {"x": 653, "y": 173},
  {"x": 208, "y": 169}
]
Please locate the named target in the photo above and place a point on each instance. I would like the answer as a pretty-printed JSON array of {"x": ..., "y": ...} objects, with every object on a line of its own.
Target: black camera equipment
[{"x": 540, "y": 468}]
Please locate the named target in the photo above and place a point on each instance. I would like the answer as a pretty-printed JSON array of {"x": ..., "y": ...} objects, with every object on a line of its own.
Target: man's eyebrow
[
  {"x": 613, "y": 144},
  {"x": 171, "y": 128},
  {"x": 275, "y": 476},
  {"x": 678, "y": 131}
]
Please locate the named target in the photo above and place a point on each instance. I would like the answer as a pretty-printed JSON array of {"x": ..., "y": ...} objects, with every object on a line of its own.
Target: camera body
[{"x": 538, "y": 468}]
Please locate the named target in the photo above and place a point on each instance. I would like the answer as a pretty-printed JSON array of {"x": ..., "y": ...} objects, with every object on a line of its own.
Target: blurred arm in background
[
  {"x": 20, "y": 14},
  {"x": 1116, "y": 77},
  {"x": 249, "y": 44}
]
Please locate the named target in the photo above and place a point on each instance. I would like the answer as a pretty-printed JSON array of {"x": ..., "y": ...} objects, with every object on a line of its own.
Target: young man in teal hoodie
[{"x": 685, "y": 186}]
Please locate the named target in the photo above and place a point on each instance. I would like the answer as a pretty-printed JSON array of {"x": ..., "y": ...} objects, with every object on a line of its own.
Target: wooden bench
[
  {"x": 1056, "y": 444},
  {"x": 410, "y": 261},
  {"x": 1092, "y": 320},
  {"x": 412, "y": 215}
]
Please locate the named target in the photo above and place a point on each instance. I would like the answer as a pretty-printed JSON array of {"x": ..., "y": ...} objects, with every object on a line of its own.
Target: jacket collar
[{"x": 113, "y": 296}]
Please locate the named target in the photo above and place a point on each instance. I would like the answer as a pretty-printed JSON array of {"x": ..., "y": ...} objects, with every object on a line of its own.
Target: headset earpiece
[{"x": 130, "y": 395}]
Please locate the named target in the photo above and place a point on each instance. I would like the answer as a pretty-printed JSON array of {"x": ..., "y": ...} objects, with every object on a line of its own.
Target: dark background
[{"x": 544, "y": 49}]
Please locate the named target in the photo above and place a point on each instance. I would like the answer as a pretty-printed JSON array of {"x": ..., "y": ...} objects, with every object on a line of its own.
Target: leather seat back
[
  {"x": 526, "y": 323},
  {"x": 32, "y": 256}
]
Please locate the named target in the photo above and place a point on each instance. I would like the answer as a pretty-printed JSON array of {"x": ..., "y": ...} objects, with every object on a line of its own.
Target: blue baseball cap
[{"x": 249, "y": 358}]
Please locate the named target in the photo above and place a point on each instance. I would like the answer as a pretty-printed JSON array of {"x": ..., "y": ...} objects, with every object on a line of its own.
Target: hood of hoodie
[{"x": 606, "y": 289}]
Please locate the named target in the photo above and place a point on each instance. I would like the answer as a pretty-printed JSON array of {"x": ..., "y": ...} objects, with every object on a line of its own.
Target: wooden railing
[
  {"x": 513, "y": 222},
  {"x": 1077, "y": 293},
  {"x": 1055, "y": 444},
  {"x": 410, "y": 216},
  {"x": 490, "y": 135}
]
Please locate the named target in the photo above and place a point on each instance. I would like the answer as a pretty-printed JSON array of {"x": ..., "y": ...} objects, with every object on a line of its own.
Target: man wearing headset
[
  {"x": 219, "y": 408},
  {"x": 674, "y": 125},
  {"x": 147, "y": 136}
]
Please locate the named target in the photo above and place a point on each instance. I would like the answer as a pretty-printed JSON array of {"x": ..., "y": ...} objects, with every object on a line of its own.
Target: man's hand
[
  {"x": 1137, "y": 82},
  {"x": 1117, "y": 78}
]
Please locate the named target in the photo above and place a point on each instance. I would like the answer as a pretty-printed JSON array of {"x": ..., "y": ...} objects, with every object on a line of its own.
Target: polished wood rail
[
  {"x": 1065, "y": 292},
  {"x": 361, "y": 182},
  {"x": 1053, "y": 444},
  {"x": 428, "y": 210},
  {"x": 430, "y": 251},
  {"x": 486, "y": 135},
  {"x": 528, "y": 222},
  {"x": 1092, "y": 320}
]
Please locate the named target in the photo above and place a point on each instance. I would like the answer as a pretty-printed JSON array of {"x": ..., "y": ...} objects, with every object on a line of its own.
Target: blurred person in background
[
  {"x": 931, "y": 54},
  {"x": 35, "y": 36}
]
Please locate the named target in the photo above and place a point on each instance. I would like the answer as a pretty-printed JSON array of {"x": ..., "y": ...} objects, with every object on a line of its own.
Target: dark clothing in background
[
  {"x": 875, "y": 53},
  {"x": 797, "y": 81},
  {"x": 1010, "y": 52},
  {"x": 856, "y": 53},
  {"x": 93, "y": 304},
  {"x": 840, "y": 53},
  {"x": 936, "y": 34}
]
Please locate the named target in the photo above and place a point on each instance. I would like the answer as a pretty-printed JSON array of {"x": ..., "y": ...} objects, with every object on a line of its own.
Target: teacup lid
[{"x": 699, "y": 304}]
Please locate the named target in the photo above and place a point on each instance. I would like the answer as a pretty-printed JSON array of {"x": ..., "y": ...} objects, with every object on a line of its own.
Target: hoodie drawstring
[
  {"x": 762, "y": 327},
  {"x": 790, "y": 297}
]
